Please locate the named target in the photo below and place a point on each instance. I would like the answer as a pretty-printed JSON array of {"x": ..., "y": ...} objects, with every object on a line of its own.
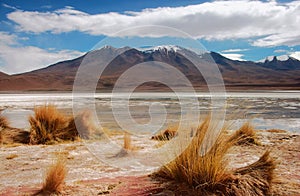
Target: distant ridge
[
  {"x": 3, "y": 74},
  {"x": 273, "y": 73},
  {"x": 283, "y": 62}
]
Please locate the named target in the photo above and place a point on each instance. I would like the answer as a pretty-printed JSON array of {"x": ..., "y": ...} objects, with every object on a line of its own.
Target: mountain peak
[
  {"x": 281, "y": 58},
  {"x": 108, "y": 47},
  {"x": 162, "y": 48},
  {"x": 269, "y": 58}
]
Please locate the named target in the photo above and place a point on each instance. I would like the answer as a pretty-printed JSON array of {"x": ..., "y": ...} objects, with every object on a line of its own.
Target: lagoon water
[{"x": 266, "y": 109}]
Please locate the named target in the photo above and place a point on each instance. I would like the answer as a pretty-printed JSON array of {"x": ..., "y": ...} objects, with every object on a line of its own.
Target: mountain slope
[
  {"x": 289, "y": 63},
  {"x": 273, "y": 73},
  {"x": 3, "y": 75}
]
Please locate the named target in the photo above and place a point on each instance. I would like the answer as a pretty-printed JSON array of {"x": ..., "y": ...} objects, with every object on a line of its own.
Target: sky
[{"x": 37, "y": 33}]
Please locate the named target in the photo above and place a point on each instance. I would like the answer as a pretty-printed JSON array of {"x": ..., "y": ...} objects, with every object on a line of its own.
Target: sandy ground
[{"x": 22, "y": 168}]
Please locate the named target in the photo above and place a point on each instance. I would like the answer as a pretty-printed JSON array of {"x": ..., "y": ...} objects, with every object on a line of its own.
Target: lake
[{"x": 265, "y": 109}]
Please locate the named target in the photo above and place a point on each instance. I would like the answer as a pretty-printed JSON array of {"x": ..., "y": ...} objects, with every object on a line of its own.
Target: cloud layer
[
  {"x": 18, "y": 59},
  {"x": 234, "y": 56},
  {"x": 268, "y": 23}
]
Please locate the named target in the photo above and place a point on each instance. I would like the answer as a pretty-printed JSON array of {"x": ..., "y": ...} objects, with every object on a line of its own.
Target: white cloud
[
  {"x": 234, "y": 56},
  {"x": 295, "y": 55},
  {"x": 280, "y": 51},
  {"x": 271, "y": 23},
  {"x": 7, "y": 39},
  {"x": 234, "y": 50},
  {"x": 9, "y": 6},
  {"x": 18, "y": 59}
]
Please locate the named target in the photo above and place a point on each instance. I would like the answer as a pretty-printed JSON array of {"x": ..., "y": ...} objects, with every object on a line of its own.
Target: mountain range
[{"x": 272, "y": 73}]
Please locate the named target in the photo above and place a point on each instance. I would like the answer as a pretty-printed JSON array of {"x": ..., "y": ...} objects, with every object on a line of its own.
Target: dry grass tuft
[
  {"x": 165, "y": 135},
  {"x": 55, "y": 177},
  {"x": 246, "y": 135},
  {"x": 47, "y": 125},
  {"x": 3, "y": 122},
  {"x": 127, "y": 141},
  {"x": 254, "y": 179},
  {"x": 1, "y": 137},
  {"x": 83, "y": 124},
  {"x": 11, "y": 156},
  {"x": 13, "y": 135},
  {"x": 127, "y": 146},
  {"x": 196, "y": 170},
  {"x": 9, "y": 135},
  {"x": 209, "y": 173},
  {"x": 276, "y": 131},
  {"x": 70, "y": 148}
]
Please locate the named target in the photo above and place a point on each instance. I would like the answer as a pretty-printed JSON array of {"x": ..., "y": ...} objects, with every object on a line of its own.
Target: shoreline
[{"x": 226, "y": 90}]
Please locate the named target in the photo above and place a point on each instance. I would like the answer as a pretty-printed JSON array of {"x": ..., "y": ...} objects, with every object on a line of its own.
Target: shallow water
[{"x": 269, "y": 109}]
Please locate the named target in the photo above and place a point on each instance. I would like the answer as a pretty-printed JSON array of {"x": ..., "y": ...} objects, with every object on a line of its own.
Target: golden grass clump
[
  {"x": 3, "y": 122},
  {"x": 83, "y": 125},
  {"x": 55, "y": 177},
  {"x": 127, "y": 141},
  {"x": 246, "y": 135},
  {"x": 165, "y": 135},
  {"x": 47, "y": 125},
  {"x": 10, "y": 135},
  {"x": 11, "y": 156},
  {"x": 13, "y": 135},
  {"x": 254, "y": 179},
  {"x": 208, "y": 173},
  {"x": 276, "y": 131},
  {"x": 196, "y": 170}
]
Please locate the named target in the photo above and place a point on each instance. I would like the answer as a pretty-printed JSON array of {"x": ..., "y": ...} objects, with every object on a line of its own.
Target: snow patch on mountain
[
  {"x": 279, "y": 58},
  {"x": 270, "y": 58},
  {"x": 163, "y": 48},
  {"x": 283, "y": 58}
]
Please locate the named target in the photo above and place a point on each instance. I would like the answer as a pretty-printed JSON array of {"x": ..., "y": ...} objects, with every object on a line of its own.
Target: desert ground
[{"x": 23, "y": 168}]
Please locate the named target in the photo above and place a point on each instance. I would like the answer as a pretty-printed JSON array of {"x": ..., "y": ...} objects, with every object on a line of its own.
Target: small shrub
[
  {"x": 165, "y": 135},
  {"x": 246, "y": 135},
  {"x": 47, "y": 125},
  {"x": 55, "y": 177},
  {"x": 10, "y": 135},
  {"x": 13, "y": 135},
  {"x": 82, "y": 125},
  {"x": 209, "y": 174},
  {"x": 11, "y": 156},
  {"x": 276, "y": 131},
  {"x": 70, "y": 148},
  {"x": 127, "y": 141},
  {"x": 196, "y": 170},
  {"x": 3, "y": 122},
  {"x": 254, "y": 179}
]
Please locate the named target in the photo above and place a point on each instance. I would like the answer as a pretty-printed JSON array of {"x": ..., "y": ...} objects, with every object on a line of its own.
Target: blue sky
[{"x": 34, "y": 34}]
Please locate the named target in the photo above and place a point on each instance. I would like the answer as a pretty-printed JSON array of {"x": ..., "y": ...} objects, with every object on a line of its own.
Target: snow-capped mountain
[
  {"x": 283, "y": 62},
  {"x": 278, "y": 58},
  {"x": 162, "y": 48},
  {"x": 274, "y": 72}
]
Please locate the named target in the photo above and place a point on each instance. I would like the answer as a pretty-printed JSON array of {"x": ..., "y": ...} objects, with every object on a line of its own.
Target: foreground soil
[{"x": 22, "y": 169}]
